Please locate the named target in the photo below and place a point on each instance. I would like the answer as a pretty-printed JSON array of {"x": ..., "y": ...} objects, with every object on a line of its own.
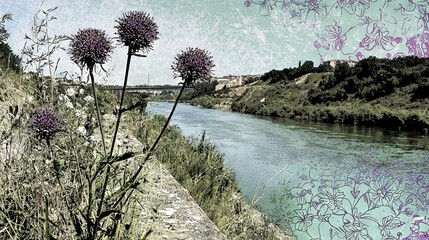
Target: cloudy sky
[{"x": 243, "y": 36}]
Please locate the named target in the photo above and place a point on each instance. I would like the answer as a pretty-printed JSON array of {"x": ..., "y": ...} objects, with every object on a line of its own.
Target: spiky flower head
[
  {"x": 45, "y": 123},
  {"x": 192, "y": 65},
  {"x": 137, "y": 30},
  {"x": 90, "y": 46}
]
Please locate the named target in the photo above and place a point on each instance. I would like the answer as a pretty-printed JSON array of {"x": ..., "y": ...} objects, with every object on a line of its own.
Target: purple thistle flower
[
  {"x": 45, "y": 123},
  {"x": 90, "y": 46},
  {"x": 137, "y": 30},
  {"x": 193, "y": 64}
]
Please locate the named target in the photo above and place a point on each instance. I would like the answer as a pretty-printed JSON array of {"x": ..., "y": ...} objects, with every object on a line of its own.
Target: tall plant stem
[
  {"x": 134, "y": 177},
  {"x": 88, "y": 212},
  {"x": 118, "y": 120},
  {"x": 166, "y": 124},
  {"x": 124, "y": 88},
  {"x": 159, "y": 136},
  {"x": 98, "y": 109},
  {"x": 102, "y": 139}
]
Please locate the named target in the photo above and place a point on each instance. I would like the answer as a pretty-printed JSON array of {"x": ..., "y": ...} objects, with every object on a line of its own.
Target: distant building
[
  {"x": 231, "y": 81},
  {"x": 334, "y": 62}
]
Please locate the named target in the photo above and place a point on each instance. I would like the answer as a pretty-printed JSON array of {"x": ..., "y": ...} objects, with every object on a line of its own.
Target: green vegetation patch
[{"x": 377, "y": 92}]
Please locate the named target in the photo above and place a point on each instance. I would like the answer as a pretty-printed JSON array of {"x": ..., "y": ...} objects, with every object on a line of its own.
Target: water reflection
[{"x": 405, "y": 140}]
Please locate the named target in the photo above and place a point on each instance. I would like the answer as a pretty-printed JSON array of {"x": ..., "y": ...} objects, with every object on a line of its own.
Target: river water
[{"x": 319, "y": 180}]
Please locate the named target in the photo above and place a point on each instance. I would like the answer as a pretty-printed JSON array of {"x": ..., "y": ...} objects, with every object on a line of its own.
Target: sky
[{"x": 243, "y": 36}]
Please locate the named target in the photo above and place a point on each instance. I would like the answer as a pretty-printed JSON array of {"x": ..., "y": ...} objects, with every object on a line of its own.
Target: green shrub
[{"x": 9, "y": 60}]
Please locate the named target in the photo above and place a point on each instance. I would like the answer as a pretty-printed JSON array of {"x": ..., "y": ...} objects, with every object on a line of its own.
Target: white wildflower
[
  {"x": 89, "y": 99},
  {"x": 69, "y": 104},
  {"x": 81, "y": 130},
  {"x": 93, "y": 138},
  {"x": 80, "y": 114},
  {"x": 81, "y": 91},
  {"x": 70, "y": 92},
  {"x": 64, "y": 98},
  {"x": 30, "y": 99}
]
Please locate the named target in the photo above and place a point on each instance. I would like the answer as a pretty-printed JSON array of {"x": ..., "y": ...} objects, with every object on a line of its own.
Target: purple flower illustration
[
  {"x": 418, "y": 45},
  {"x": 302, "y": 220},
  {"x": 303, "y": 194},
  {"x": 417, "y": 232},
  {"x": 418, "y": 236},
  {"x": 378, "y": 36},
  {"x": 385, "y": 190},
  {"x": 423, "y": 20},
  {"x": 357, "y": 232},
  {"x": 357, "y": 7},
  {"x": 312, "y": 6},
  {"x": 137, "y": 30},
  {"x": 89, "y": 47},
  {"x": 332, "y": 198},
  {"x": 334, "y": 34},
  {"x": 45, "y": 123},
  {"x": 192, "y": 65},
  {"x": 387, "y": 224}
]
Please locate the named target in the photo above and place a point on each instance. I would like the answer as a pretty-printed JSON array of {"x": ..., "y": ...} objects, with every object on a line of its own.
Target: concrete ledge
[{"x": 170, "y": 211}]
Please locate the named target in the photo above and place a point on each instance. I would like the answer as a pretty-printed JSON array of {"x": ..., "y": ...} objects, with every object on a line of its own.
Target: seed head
[
  {"x": 192, "y": 65},
  {"x": 137, "y": 30},
  {"x": 90, "y": 46},
  {"x": 45, "y": 123}
]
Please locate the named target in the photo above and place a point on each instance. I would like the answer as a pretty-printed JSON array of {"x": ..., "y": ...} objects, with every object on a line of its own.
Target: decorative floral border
[
  {"x": 363, "y": 202},
  {"x": 398, "y": 28}
]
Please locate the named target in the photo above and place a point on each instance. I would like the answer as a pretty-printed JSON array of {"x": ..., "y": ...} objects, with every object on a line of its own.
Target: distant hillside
[{"x": 378, "y": 92}]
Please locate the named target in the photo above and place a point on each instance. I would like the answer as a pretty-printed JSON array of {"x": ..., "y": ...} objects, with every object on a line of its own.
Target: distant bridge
[{"x": 152, "y": 89}]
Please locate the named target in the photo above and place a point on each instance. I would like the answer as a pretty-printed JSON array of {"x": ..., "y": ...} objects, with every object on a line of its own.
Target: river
[{"x": 319, "y": 180}]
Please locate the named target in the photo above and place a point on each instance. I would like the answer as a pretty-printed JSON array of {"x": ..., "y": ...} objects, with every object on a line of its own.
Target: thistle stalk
[
  {"x": 97, "y": 109},
  {"x": 134, "y": 177},
  {"x": 118, "y": 120}
]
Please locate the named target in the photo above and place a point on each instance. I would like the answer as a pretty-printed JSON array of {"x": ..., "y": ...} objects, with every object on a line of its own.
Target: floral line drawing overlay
[
  {"x": 366, "y": 202},
  {"x": 355, "y": 29}
]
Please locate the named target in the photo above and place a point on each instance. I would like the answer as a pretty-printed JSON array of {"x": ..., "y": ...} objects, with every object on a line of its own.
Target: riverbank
[
  {"x": 160, "y": 206},
  {"x": 376, "y": 92}
]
